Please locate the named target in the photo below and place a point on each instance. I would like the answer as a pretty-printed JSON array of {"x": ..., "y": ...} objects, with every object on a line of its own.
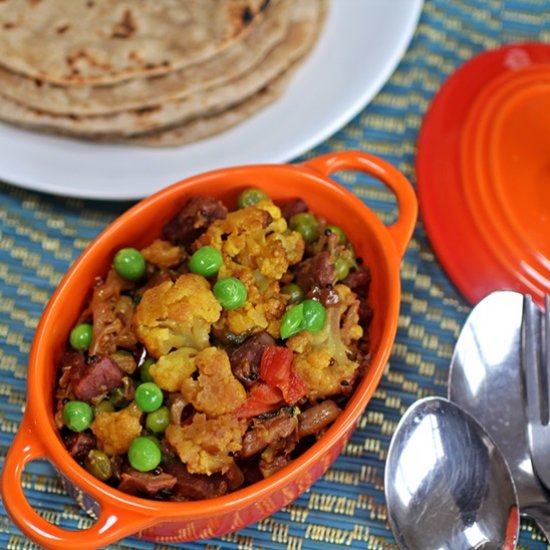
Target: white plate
[{"x": 359, "y": 49}]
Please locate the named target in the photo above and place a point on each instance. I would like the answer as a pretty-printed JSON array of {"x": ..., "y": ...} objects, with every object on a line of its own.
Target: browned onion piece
[
  {"x": 314, "y": 419},
  {"x": 176, "y": 410},
  {"x": 265, "y": 432},
  {"x": 145, "y": 483},
  {"x": 234, "y": 477}
]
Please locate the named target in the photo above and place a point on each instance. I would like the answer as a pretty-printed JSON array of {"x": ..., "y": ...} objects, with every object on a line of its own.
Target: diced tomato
[
  {"x": 262, "y": 398},
  {"x": 280, "y": 384},
  {"x": 276, "y": 369},
  {"x": 296, "y": 387},
  {"x": 275, "y": 366}
]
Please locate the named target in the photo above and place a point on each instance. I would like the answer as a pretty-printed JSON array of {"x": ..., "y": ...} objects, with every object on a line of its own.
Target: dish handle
[
  {"x": 111, "y": 525},
  {"x": 401, "y": 230}
]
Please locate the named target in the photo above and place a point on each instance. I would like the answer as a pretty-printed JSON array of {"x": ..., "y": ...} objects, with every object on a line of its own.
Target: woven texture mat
[{"x": 40, "y": 236}]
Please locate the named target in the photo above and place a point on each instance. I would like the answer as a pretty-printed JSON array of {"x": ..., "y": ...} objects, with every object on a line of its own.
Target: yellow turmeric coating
[
  {"x": 216, "y": 391},
  {"x": 264, "y": 306},
  {"x": 257, "y": 247},
  {"x": 174, "y": 315},
  {"x": 256, "y": 237},
  {"x": 325, "y": 360},
  {"x": 206, "y": 445},
  {"x": 116, "y": 430},
  {"x": 163, "y": 254},
  {"x": 170, "y": 371}
]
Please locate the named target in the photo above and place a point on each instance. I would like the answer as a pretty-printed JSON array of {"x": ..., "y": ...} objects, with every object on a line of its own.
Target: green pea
[
  {"x": 306, "y": 224},
  {"x": 148, "y": 397},
  {"x": 99, "y": 465},
  {"x": 155, "y": 440},
  {"x": 315, "y": 315},
  {"x": 343, "y": 239},
  {"x": 206, "y": 261},
  {"x": 342, "y": 267},
  {"x": 144, "y": 373},
  {"x": 250, "y": 197},
  {"x": 129, "y": 263},
  {"x": 292, "y": 321},
  {"x": 77, "y": 415},
  {"x": 157, "y": 421},
  {"x": 230, "y": 292},
  {"x": 294, "y": 292},
  {"x": 80, "y": 337},
  {"x": 103, "y": 406},
  {"x": 144, "y": 454}
]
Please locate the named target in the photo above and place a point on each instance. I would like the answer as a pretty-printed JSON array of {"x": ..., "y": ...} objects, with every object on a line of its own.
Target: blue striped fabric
[{"x": 41, "y": 235}]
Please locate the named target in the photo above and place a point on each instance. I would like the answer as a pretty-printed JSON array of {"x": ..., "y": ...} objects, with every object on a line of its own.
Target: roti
[
  {"x": 141, "y": 92},
  {"x": 204, "y": 127},
  {"x": 305, "y": 20},
  {"x": 106, "y": 41}
]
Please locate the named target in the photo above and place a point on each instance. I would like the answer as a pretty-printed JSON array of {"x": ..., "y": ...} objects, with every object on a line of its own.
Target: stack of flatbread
[{"x": 148, "y": 72}]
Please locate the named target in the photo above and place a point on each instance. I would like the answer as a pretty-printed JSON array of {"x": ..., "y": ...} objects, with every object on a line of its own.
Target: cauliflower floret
[
  {"x": 263, "y": 309},
  {"x": 206, "y": 445},
  {"x": 163, "y": 254},
  {"x": 323, "y": 359},
  {"x": 256, "y": 237},
  {"x": 171, "y": 370},
  {"x": 112, "y": 315},
  {"x": 257, "y": 248},
  {"x": 291, "y": 242},
  {"x": 174, "y": 315},
  {"x": 116, "y": 430},
  {"x": 216, "y": 391}
]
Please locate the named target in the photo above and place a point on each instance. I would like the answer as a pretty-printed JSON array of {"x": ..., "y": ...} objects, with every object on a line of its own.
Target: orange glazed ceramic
[
  {"x": 119, "y": 514},
  {"x": 482, "y": 172}
]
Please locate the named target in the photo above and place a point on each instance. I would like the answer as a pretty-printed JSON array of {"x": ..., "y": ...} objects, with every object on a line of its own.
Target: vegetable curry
[{"x": 218, "y": 353}]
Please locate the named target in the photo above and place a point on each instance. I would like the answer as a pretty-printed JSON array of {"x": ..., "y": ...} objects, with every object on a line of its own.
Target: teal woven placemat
[{"x": 41, "y": 235}]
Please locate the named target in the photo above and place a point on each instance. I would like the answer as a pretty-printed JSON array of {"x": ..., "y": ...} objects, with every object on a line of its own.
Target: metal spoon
[
  {"x": 485, "y": 379},
  {"x": 447, "y": 484}
]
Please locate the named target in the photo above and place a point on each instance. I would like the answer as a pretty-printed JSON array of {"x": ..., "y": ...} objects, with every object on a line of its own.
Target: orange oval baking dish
[{"x": 119, "y": 514}]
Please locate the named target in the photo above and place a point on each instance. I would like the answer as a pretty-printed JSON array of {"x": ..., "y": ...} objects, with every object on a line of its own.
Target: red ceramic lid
[{"x": 483, "y": 172}]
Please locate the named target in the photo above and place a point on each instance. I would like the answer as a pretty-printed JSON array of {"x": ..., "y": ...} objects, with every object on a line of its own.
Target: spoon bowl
[
  {"x": 447, "y": 485},
  {"x": 486, "y": 380}
]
